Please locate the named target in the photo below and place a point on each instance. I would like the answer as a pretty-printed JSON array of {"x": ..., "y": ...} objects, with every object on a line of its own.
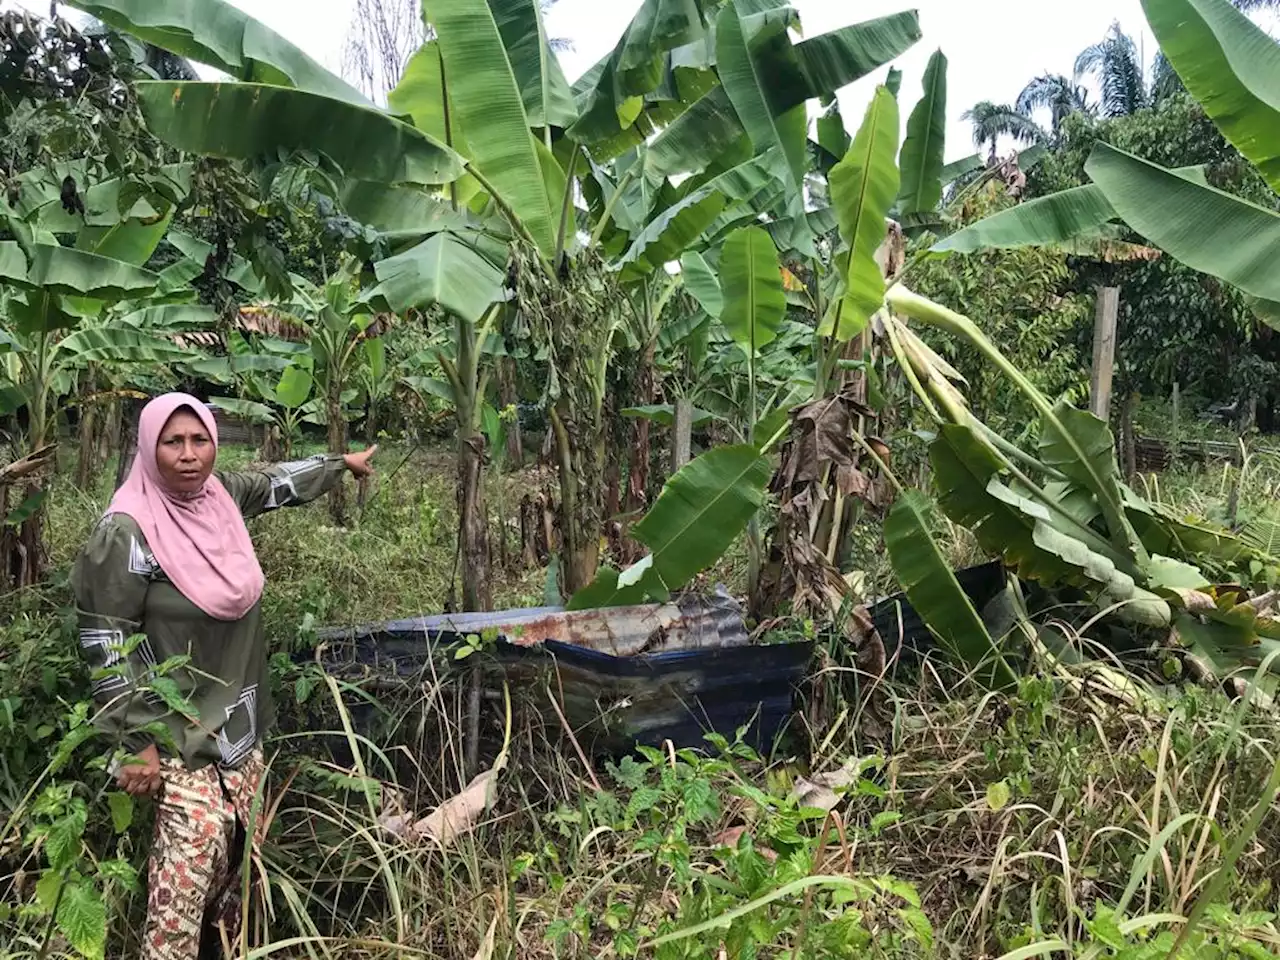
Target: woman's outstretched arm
[{"x": 295, "y": 483}]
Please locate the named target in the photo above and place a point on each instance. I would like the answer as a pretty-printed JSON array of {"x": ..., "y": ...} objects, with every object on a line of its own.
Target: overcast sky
[{"x": 994, "y": 47}]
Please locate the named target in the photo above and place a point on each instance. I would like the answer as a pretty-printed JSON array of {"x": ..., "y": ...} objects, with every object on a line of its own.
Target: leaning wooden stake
[
  {"x": 682, "y": 434},
  {"x": 1104, "y": 351}
]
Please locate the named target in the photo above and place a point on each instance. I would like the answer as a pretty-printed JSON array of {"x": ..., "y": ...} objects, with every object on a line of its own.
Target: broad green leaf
[
  {"x": 429, "y": 386},
  {"x": 963, "y": 471},
  {"x": 13, "y": 262},
  {"x": 118, "y": 344},
  {"x": 239, "y": 271},
  {"x": 1207, "y": 229},
  {"x": 832, "y": 61},
  {"x": 701, "y": 282},
  {"x": 245, "y": 121},
  {"x": 671, "y": 232},
  {"x": 1056, "y": 218},
  {"x": 833, "y": 137},
  {"x": 486, "y": 95},
  {"x": 936, "y": 595},
  {"x": 130, "y": 241},
  {"x": 420, "y": 96},
  {"x": 864, "y": 186},
  {"x": 102, "y": 200},
  {"x": 443, "y": 270},
  {"x": 26, "y": 509},
  {"x": 956, "y": 169},
  {"x": 121, "y": 805},
  {"x": 249, "y": 409},
  {"x": 402, "y": 213},
  {"x": 1059, "y": 219},
  {"x": 1081, "y": 447},
  {"x": 702, "y": 510},
  {"x": 616, "y": 94},
  {"x": 82, "y": 918},
  {"x": 222, "y": 35},
  {"x": 294, "y": 387},
  {"x": 697, "y": 137},
  {"x": 666, "y": 237},
  {"x": 761, "y": 77},
  {"x": 921, "y": 157},
  {"x": 171, "y": 318},
  {"x": 67, "y": 272},
  {"x": 1231, "y": 67},
  {"x": 754, "y": 301},
  {"x": 543, "y": 88}
]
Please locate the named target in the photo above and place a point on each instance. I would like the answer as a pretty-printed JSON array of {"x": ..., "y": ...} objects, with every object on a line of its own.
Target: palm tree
[
  {"x": 991, "y": 121},
  {"x": 1060, "y": 94},
  {"x": 1116, "y": 63}
]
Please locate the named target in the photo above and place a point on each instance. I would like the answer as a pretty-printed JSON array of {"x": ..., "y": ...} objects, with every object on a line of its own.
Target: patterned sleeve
[
  {"x": 284, "y": 484},
  {"x": 110, "y": 583}
]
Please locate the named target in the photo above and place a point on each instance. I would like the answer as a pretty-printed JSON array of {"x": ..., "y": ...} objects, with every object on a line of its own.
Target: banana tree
[{"x": 493, "y": 118}]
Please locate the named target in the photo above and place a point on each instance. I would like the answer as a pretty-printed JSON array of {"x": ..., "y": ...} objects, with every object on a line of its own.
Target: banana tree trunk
[
  {"x": 472, "y": 528},
  {"x": 337, "y": 430},
  {"x": 507, "y": 396},
  {"x": 87, "y": 463},
  {"x": 581, "y": 506},
  {"x": 111, "y": 434},
  {"x": 641, "y": 453}
]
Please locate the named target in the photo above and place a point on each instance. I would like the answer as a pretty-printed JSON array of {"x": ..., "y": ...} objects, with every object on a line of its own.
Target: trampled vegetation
[{"x": 672, "y": 326}]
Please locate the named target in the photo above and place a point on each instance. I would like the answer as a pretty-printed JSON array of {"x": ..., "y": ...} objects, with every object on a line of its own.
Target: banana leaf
[
  {"x": 486, "y": 95},
  {"x": 922, "y": 151},
  {"x": 956, "y": 169},
  {"x": 1231, "y": 67},
  {"x": 702, "y": 283},
  {"x": 1056, "y": 218},
  {"x": 173, "y": 318},
  {"x": 663, "y": 414},
  {"x": 692, "y": 141},
  {"x": 248, "y": 409},
  {"x": 246, "y": 121},
  {"x": 1205, "y": 228},
  {"x": 864, "y": 186},
  {"x": 76, "y": 273},
  {"x": 224, "y": 36},
  {"x": 118, "y": 345},
  {"x": 702, "y": 510},
  {"x": 547, "y": 98},
  {"x": 442, "y": 270},
  {"x": 754, "y": 301},
  {"x": 832, "y": 61},
  {"x": 762, "y": 79},
  {"x": 935, "y": 594}
]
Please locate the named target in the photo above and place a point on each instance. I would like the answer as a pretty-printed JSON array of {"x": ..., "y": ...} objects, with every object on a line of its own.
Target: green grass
[{"x": 968, "y": 824}]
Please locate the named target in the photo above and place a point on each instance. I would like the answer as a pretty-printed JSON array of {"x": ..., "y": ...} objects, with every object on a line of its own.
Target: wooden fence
[{"x": 1154, "y": 455}]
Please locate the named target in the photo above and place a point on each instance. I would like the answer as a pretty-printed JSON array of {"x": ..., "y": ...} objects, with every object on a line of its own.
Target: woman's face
[{"x": 185, "y": 453}]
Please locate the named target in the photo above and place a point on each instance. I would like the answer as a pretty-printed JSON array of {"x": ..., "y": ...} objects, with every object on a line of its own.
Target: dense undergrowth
[{"x": 1067, "y": 818}]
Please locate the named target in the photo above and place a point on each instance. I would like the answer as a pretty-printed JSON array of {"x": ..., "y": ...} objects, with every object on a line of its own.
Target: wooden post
[
  {"x": 682, "y": 434},
  {"x": 1104, "y": 351},
  {"x": 1177, "y": 424}
]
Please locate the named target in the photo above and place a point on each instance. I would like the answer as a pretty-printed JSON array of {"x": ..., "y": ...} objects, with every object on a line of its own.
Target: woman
[{"x": 169, "y": 572}]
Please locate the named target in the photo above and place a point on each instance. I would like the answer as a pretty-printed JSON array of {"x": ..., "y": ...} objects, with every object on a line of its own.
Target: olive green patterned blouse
[{"x": 121, "y": 592}]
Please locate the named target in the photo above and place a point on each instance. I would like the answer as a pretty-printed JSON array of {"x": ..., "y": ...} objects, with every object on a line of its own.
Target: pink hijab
[{"x": 199, "y": 540}]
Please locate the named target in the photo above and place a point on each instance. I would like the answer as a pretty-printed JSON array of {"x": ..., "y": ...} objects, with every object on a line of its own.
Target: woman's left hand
[{"x": 358, "y": 463}]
